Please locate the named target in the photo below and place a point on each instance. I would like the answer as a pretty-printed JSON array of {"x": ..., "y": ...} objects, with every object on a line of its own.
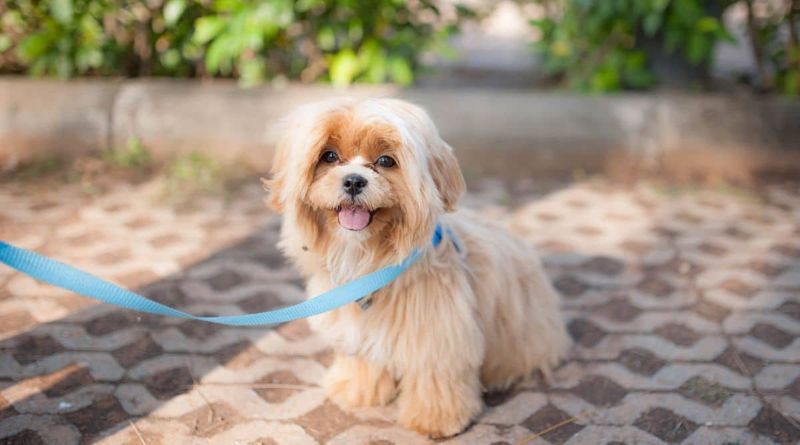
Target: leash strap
[{"x": 65, "y": 276}]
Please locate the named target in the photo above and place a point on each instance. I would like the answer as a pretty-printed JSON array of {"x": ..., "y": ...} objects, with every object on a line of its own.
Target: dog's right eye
[{"x": 329, "y": 157}]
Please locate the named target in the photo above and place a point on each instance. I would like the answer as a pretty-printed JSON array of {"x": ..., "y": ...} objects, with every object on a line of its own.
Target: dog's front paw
[
  {"x": 438, "y": 419},
  {"x": 352, "y": 382},
  {"x": 439, "y": 406}
]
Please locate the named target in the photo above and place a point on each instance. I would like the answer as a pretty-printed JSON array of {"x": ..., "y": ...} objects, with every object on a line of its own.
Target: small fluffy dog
[{"x": 361, "y": 184}]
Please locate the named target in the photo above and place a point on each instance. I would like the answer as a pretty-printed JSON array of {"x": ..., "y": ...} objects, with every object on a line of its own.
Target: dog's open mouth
[{"x": 353, "y": 217}]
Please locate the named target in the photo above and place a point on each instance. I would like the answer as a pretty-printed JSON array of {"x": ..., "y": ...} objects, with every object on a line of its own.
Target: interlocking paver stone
[
  {"x": 546, "y": 418},
  {"x": 683, "y": 307},
  {"x": 641, "y": 361}
]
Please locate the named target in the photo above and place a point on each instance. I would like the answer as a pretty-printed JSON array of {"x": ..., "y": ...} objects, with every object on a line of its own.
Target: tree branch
[{"x": 755, "y": 44}]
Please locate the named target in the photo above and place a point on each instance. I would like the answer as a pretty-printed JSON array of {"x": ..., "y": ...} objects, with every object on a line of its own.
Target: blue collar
[{"x": 438, "y": 235}]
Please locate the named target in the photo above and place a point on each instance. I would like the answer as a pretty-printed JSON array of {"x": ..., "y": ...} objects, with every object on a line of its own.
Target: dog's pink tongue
[{"x": 353, "y": 218}]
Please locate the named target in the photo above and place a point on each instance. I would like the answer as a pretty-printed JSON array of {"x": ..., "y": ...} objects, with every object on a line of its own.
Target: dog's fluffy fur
[{"x": 461, "y": 320}]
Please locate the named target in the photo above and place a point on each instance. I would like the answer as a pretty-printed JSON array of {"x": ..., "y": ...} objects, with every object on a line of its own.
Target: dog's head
[{"x": 363, "y": 170}]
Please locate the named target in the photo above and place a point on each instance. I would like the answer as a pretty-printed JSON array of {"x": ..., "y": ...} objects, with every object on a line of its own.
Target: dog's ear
[
  {"x": 447, "y": 176},
  {"x": 275, "y": 184}
]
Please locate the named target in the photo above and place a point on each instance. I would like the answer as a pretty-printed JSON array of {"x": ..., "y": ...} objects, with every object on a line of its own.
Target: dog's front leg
[
  {"x": 439, "y": 402},
  {"x": 353, "y": 382},
  {"x": 439, "y": 361}
]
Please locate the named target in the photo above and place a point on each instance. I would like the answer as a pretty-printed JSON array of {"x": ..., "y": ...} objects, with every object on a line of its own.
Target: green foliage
[
  {"x": 56, "y": 37},
  {"x": 340, "y": 41},
  {"x": 35, "y": 170},
  {"x": 778, "y": 40},
  {"x": 193, "y": 172},
  {"x": 597, "y": 45},
  {"x": 132, "y": 156}
]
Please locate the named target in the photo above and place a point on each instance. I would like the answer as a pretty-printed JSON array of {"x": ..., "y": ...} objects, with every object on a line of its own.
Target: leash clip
[{"x": 364, "y": 303}]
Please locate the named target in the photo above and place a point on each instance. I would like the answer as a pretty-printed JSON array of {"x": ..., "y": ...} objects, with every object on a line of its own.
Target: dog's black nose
[{"x": 354, "y": 184}]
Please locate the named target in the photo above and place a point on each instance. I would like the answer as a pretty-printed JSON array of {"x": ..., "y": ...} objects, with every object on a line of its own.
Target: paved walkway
[{"x": 684, "y": 307}]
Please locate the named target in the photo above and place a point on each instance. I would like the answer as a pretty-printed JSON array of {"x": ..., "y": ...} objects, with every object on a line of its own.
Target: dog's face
[
  {"x": 359, "y": 175},
  {"x": 355, "y": 169}
]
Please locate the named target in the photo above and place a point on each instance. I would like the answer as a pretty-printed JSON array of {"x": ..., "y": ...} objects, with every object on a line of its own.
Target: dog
[{"x": 361, "y": 185}]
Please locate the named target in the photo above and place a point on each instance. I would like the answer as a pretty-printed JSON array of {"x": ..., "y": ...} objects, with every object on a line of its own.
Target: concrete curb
[{"x": 494, "y": 130}]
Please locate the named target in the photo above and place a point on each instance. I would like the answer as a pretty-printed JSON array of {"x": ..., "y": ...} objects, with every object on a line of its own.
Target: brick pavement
[{"x": 684, "y": 307}]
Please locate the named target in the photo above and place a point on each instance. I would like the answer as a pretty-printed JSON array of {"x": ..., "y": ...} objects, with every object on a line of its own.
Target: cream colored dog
[{"x": 361, "y": 184}]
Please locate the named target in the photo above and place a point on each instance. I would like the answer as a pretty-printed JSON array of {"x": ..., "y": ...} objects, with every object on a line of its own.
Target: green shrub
[
  {"x": 596, "y": 45},
  {"x": 608, "y": 45},
  {"x": 59, "y": 37},
  {"x": 341, "y": 41}
]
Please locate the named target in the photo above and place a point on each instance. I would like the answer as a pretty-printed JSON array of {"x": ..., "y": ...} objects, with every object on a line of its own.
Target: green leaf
[
  {"x": 605, "y": 79},
  {"x": 376, "y": 72},
  {"x": 707, "y": 25},
  {"x": 63, "y": 66},
  {"x": 5, "y": 42},
  {"x": 170, "y": 58},
  {"x": 252, "y": 72},
  {"x": 62, "y": 10},
  {"x": 206, "y": 28},
  {"x": 698, "y": 48},
  {"x": 87, "y": 58},
  {"x": 33, "y": 47},
  {"x": 326, "y": 38},
  {"x": 173, "y": 11},
  {"x": 306, "y": 5},
  {"x": 672, "y": 39},
  {"x": 372, "y": 61},
  {"x": 660, "y": 5},
  {"x": 635, "y": 60},
  {"x": 12, "y": 20},
  {"x": 639, "y": 79},
  {"x": 465, "y": 11},
  {"x": 561, "y": 48},
  {"x": 447, "y": 52},
  {"x": 636, "y": 74},
  {"x": 91, "y": 31},
  {"x": 228, "y": 5},
  {"x": 39, "y": 66},
  {"x": 355, "y": 30},
  {"x": 367, "y": 53},
  {"x": 651, "y": 24},
  {"x": 791, "y": 84},
  {"x": 687, "y": 11},
  {"x": 344, "y": 67},
  {"x": 400, "y": 71},
  {"x": 724, "y": 35},
  {"x": 218, "y": 55}
]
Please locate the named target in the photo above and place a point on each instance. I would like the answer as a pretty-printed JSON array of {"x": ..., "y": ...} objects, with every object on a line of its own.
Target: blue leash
[{"x": 62, "y": 275}]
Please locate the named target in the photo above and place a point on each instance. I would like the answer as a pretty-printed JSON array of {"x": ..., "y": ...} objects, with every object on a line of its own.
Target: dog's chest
[
  {"x": 348, "y": 262},
  {"x": 379, "y": 331}
]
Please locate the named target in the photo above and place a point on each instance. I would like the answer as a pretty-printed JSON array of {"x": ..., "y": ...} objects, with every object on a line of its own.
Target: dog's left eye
[
  {"x": 385, "y": 162},
  {"x": 329, "y": 156}
]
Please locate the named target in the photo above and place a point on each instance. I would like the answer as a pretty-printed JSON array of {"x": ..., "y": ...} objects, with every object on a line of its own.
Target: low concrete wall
[
  {"x": 41, "y": 118},
  {"x": 494, "y": 131}
]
